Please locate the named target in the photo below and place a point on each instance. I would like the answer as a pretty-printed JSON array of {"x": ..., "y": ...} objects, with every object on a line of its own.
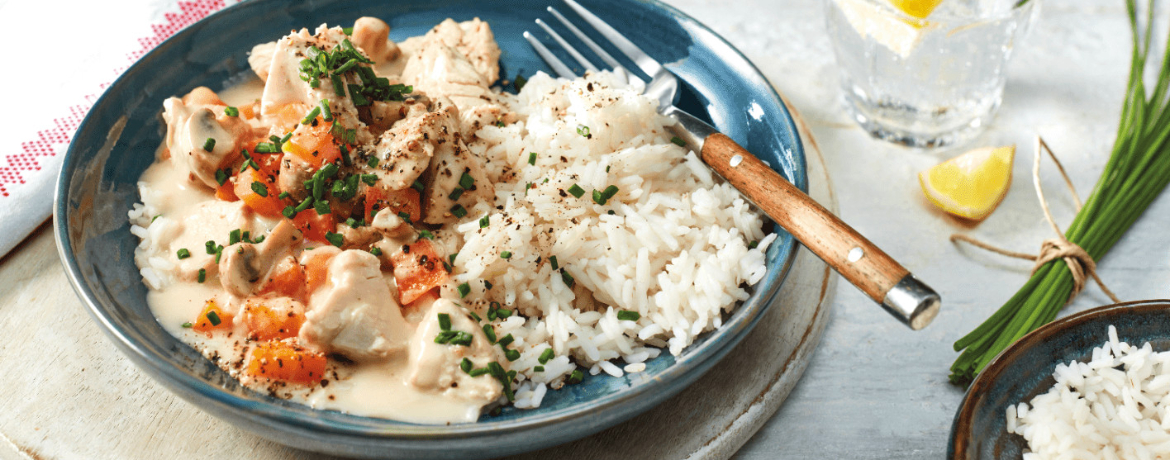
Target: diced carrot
[
  {"x": 226, "y": 192},
  {"x": 314, "y": 226},
  {"x": 248, "y": 111},
  {"x": 263, "y": 198},
  {"x": 418, "y": 268},
  {"x": 286, "y": 362},
  {"x": 287, "y": 280},
  {"x": 396, "y": 201},
  {"x": 316, "y": 272},
  {"x": 265, "y": 323},
  {"x": 313, "y": 143},
  {"x": 212, "y": 318}
]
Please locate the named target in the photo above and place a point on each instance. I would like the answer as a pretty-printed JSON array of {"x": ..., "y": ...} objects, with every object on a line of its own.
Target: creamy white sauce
[{"x": 381, "y": 388}]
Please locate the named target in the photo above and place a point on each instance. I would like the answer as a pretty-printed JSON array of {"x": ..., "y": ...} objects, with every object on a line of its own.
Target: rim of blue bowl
[
  {"x": 719, "y": 342},
  {"x": 961, "y": 435}
]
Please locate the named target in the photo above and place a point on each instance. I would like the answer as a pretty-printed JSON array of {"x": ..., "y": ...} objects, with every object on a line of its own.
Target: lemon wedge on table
[{"x": 970, "y": 185}]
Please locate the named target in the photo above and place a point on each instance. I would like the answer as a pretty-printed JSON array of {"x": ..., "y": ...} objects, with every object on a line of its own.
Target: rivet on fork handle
[{"x": 853, "y": 256}]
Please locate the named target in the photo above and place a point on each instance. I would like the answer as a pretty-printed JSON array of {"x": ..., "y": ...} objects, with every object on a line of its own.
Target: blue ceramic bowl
[
  {"x": 1024, "y": 370},
  {"x": 117, "y": 141}
]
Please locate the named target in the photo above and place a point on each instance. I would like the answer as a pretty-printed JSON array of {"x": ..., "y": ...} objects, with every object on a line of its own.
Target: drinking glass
[{"x": 925, "y": 81}]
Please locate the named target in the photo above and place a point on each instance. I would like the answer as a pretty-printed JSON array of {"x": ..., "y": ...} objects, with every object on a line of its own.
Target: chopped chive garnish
[
  {"x": 464, "y": 289},
  {"x": 500, "y": 124},
  {"x": 202, "y": 275},
  {"x": 445, "y": 337},
  {"x": 405, "y": 216},
  {"x": 532, "y": 158},
  {"x": 305, "y": 204},
  {"x": 576, "y": 190},
  {"x": 519, "y": 82},
  {"x": 455, "y": 194},
  {"x": 478, "y": 372},
  {"x": 452, "y": 257},
  {"x": 506, "y": 255},
  {"x": 610, "y": 212},
  {"x": 607, "y": 168},
  {"x": 284, "y": 139},
  {"x": 506, "y": 340},
  {"x": 209, "y": 246},
  {"x": 327, "y": 114},
  {"x": 597, "y": 198},
  {"x": 502, "y": 313},
  {"x": 349, "y": 65},
  {"x": 209, "y": 144},
  {"x": 512, "y": 355},
  {"x": 370, "y": 179},
  {"x": 282, "y": 195},
  {"x": 474, "y": 316},
  {"x": 426, "y": 234},
  {"x": 187, "y": 325},
  {"x": 311, "y": 115},
  {"x": 260, "y": 189},
  {"x": 444, "y": 322},
  {"x": 484, "y": 222},
  {"x": 458, "y": 211},
  {"x": 417, "y": 186},
  {"x": 272, "y": 138},
  {"x": 753, "y": 244},
  {"x": 258, "y": 239},
  {"x": 609, "y": 192},
  {"x": 490, "y": 332},
  {"x": 267, "y": 147},
  {"x": 462, "y": 338},
  {"x": 553, "y": 261},
  {"x": 465, "y": 365},
  {"x": 218, "y": 253},
  {"x": 487, "y": 284},
  {"x": 183, "y": 253},
  {"x": 376, "y": 251},
  {"x": 538, "y": 369},
  {"x": 231, "y": 111},
  {"x": 234, "y": 237},
  {"x": 466, "y": 181},
  {"x": 322, "y": 207},
  {"x": 156, "y": 216},
  {"x": 334, "y": 238},
  {"x": 338, "y": 86},
  {"x": 547, "y": 355},
  {"x": 627, "y": 315},
  {"x": 575, "y": 377},
  {"x": 213, "y": 318},
  {"x": 584, "y": 131},
  {"x": 373, "y": 163},
  {"x": 567, "y": 278},
  {"x": 679, "y": 142}
]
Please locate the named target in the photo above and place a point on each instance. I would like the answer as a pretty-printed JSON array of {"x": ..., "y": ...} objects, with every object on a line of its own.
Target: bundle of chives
[{"x": 1136, "y": 173}]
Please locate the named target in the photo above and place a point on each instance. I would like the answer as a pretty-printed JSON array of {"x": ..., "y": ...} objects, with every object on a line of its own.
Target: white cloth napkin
[{"x": 82, "y": 47}]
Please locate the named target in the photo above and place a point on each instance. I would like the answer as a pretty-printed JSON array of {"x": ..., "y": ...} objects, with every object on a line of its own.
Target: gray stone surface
[{"x": 876, "y": 390}]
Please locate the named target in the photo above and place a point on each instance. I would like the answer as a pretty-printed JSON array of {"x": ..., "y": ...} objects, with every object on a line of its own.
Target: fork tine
[
  {"x": 605, "y": 56},
  {"x": 572, "y": 51},
  {"x": 559, "y": 67},
  {"x": 644, "y": 61}
]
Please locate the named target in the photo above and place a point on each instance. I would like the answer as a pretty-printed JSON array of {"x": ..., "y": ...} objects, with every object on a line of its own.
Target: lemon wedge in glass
[
  {"x": 970, "y": 185},
  {"x": 900, "y": 34},
  {"x": 917, "y": 8}
]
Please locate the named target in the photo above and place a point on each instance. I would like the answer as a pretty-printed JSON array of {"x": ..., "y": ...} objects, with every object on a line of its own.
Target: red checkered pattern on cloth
[{"x": 27, "y": 159}]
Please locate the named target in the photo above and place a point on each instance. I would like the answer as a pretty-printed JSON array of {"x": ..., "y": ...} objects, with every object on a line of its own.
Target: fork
[{"x": 849, "y": 253}]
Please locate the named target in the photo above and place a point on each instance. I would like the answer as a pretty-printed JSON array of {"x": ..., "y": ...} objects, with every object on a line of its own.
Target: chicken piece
[
  {"x": 381, "y": 115},
  {"x": 405, "y": 150},
  {"x": 211, "y": 217},
  {"x": 260, "y": 59},
  {"x": 244, "y": 266},
  {"x": 191, "y": 122},
  {"x": 354, "y": 313},
  {"x": 438, "y": 68},
  {"x": 284, "y": 88},
  {"x": 435, "y": 366},
  {"x": 475, "y": 41},
  {"x": 451, "y": 161},
  {"x": 372, "y": 35}
]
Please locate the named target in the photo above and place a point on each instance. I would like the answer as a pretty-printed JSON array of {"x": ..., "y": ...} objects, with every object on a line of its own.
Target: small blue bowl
[
  {"x": 117, "y": 141},
  {"x": 1024, "y": 371}
]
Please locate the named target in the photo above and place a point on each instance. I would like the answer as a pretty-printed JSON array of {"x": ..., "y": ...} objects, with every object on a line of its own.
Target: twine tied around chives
[{"x": 1080, "y": 263}]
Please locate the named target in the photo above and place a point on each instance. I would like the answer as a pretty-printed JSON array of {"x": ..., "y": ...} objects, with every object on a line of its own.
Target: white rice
[
  {"x": 674, "y": 250},
  {"x": 1116, "y": 406}
]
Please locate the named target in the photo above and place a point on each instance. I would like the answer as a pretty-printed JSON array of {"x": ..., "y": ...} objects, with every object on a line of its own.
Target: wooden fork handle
[{"x": 834, "y": 241}]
